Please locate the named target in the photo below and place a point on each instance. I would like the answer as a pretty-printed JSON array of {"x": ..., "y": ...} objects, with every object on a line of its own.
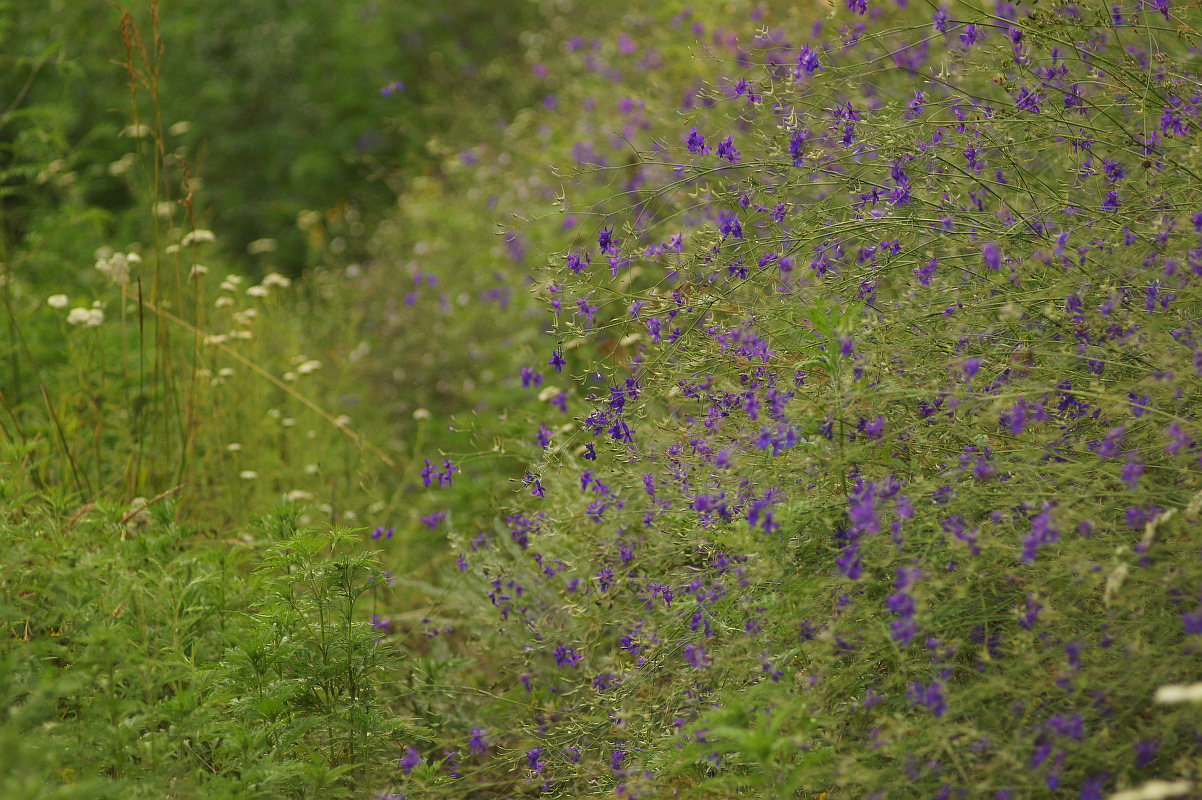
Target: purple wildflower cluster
[{"x": 881, "y": 419}]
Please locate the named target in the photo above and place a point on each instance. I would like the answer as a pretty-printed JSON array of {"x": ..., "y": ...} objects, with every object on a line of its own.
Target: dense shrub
[{"x": 887, "y": 469}]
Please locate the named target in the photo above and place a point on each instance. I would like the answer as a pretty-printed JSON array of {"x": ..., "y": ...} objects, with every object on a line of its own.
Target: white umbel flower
[
  {"x": 197, "y": 236},
  {"x": 85, "y": 317}
]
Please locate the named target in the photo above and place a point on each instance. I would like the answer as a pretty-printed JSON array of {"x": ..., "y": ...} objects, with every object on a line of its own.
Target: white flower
[
  {"x": 276, "y": 279},
  {"x": 86, "y": 317},
  {"x": 309, "y": 366},
  {"x": 1177, "y": 693},
  {"x": 233, "y": 447},
  {"x": 116, "y": 267},
  {"x": 288, "y": 422},
  {"x": 197, "y": 271},
  {"x": 225, "y": 372},
  {"x": 248, "y": 475},
  {"x": 215, "y": 338},
  {"x": 1154, "y": 790},
  {"x": 180, "y": 128},
  {"x": 261, "y": 246},
  {"x": 199, "y": 235},
  {"x": 421, "y": 413},
  {"x": 137, "y": 518},
  {"x": 312, "y": 469},
  {"x": 257, "y": 291},
  {"x": 57, "y": 301},
  {"x": 224, "y": 301},
  {"x": 136, "y": 131},
  {"x": 123, "y": 164},
  {"x": 297, "y": 495}
]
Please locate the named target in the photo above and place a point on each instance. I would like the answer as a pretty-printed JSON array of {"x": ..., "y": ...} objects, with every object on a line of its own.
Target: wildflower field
[{"x": 656, "y": 400}]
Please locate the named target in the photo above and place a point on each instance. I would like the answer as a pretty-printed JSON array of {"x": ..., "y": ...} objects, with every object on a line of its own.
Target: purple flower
[
  {"x": 726, "y": 150},
  {"x": 1145, "y": 752},
  {"x": 1027, "y": 621},
  {"x": 1043, "y": 533},
  {"x": 993, "y": 256},
  {"x": 971, "y": 35},
  {"x": 609, "y": 245},
  {"x": 1133, "y": 470},
  {"x": 1192, "y": 622},
  {"x": 578, "y": 264},
  {"x": 930, "y": 696},
  {"x": 556, "y": 361},
  {"x": 807, "y": 61},
  {"x": 452, "y": 757},
  {"x": 1094, "y": 786},
  {"x": 566, "y": 656},
  {"x": 531, "y": 378},
  {"x": 849, "y": 564},
  {"x": 941, "y": 19},
  {"x": 729, "y": 225},
  {"x": 1111, "y": 446},
  {"x": 410, "y": 760},
  {"x": 1027, "y": 100},
  {"x": 696, "y": 143},
  {"x": 695, "y": 655},
  {"x": 1180, "y": 439}
]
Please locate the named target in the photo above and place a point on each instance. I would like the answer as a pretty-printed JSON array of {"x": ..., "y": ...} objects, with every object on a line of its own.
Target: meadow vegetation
[{"x": 733, "y": 400}]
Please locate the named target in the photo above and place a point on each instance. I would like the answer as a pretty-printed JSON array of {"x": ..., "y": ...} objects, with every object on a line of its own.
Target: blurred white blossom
[
  {"x": 85, "y": 317},
  {"x": 1154, "y": 790},
  {"x": 1179, "y": 693},
  {"x": 118, "y": 265},
  {"x": 197, "y": 236}
]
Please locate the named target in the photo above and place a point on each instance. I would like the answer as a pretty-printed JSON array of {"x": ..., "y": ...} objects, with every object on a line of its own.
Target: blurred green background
[{"x": 277, "y": 106}]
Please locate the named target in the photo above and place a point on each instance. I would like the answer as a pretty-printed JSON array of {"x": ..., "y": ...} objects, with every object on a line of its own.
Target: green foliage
[{"x": 140, "y": 659}]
